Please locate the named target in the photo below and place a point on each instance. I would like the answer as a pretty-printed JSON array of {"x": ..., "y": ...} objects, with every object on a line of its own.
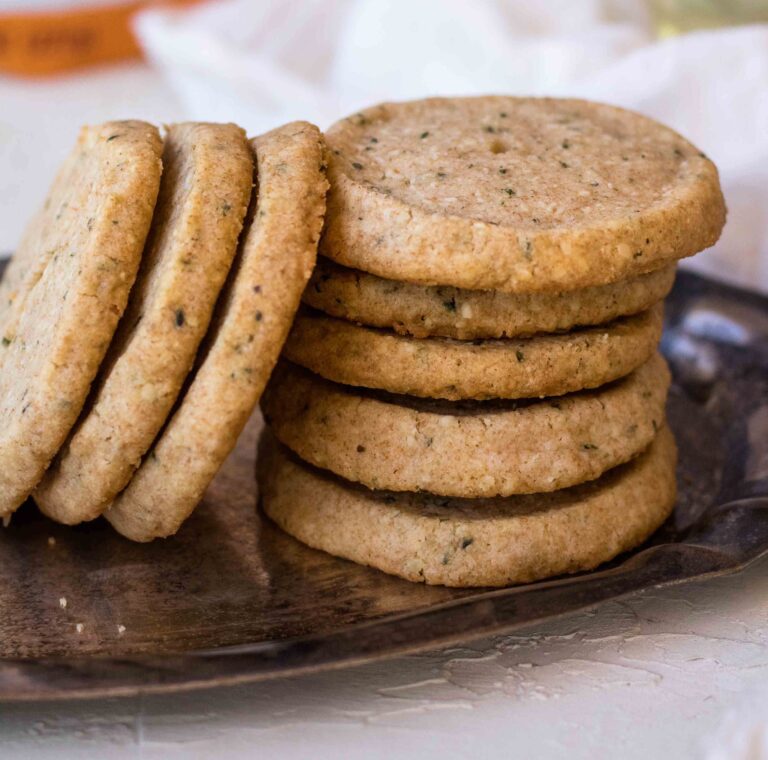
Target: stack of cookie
[
  {"x": 142, "y": 315},
  {"x": 472, "y": 393}
]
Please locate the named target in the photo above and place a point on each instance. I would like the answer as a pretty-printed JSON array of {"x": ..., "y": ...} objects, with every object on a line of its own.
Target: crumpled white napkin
[{"x": 265, "y": 63}]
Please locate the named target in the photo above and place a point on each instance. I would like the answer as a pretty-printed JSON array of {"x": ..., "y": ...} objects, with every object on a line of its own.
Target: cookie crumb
[{"x": 63, "y": 602}]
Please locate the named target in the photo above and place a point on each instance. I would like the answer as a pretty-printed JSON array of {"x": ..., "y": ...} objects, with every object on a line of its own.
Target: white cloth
[{"x": 268, "y": 62}]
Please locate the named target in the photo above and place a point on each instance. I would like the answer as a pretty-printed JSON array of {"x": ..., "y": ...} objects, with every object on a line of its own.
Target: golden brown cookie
[
  {"x": 253, "y": 317},
  {"x": 204, "y": 194},
  {"x": 515, "y": 194},
  {"x": 423, "y": 311},
  {"x": 470, "y": 449},
  {"x": 544, "y": 365},
  {"x": 471, "y": 542},
  {"x": 67, "y": 289}
]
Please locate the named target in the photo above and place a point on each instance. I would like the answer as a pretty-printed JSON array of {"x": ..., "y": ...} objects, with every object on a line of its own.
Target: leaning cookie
[
  {"x": 463, "y": 542},
  {"x": 253, "y": 317},
  {"x": 204, "y": 194},
  {"x": 515, "y": 194},
  {"x": 423, "y": 311},
  {"x": 495, "y": 448},
  {"x": 544, "y": 365},
  {"x": 68, "y": 289}
]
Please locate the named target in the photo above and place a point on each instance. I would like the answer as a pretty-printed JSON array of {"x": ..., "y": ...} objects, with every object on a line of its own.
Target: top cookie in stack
[
  {"x": 478, "y": 252},
  {"x": 518, "y": 195}
]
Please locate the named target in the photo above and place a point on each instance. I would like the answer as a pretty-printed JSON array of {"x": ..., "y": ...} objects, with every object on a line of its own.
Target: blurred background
[{"x": 700, "y": 66}]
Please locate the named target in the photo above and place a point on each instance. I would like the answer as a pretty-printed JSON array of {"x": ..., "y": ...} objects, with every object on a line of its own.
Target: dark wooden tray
[{"x": 232, "y": 599}]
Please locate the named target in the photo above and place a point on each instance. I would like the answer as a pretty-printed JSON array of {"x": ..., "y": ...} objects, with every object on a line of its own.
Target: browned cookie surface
[
  {"x": 543, "y": 365},
  {"x": 252, "y": 318},
  {"x": 423, "y": 311},
  {"x": 470, "y": 449},
  {"x": 472, "y": 542},
  {"x": 67, "y": 288},
  {"x": 204, "y": 194},
  {"x": 515, "y": 194}
]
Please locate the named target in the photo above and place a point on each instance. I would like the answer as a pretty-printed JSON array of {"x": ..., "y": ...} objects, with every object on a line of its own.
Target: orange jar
[{"x": 40, "y": 38}]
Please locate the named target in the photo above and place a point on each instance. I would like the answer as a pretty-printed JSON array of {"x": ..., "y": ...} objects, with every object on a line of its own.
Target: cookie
[
  {"x": 464, "y": 542},
  {"x": 545, "y": 365},
  {"x": 423, "y": 311},
  {"x": 470, "y": 449},
  {"x": 67, "y": 290},
  {"x": 252, "y": 319},
  {"x": 515, "y": 194},
  {"x": 204, "y": 194}
]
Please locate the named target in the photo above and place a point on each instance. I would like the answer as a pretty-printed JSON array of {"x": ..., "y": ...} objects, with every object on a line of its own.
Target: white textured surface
[{"x": 676, "y": 673}]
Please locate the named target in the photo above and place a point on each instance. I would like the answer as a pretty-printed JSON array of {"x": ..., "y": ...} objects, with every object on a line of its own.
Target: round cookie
[
  {"x": 68, "y": 288},
  {"x": 545, "y": 365},
  {"x": 515, "y": 194},
  {"x": 471, "y": 449},
  {"x": 423, "y": 311},
  {"x": 251, "y": 322},
  {"x": 462, "y": 542},
  {"x": 204, "y": 194}
]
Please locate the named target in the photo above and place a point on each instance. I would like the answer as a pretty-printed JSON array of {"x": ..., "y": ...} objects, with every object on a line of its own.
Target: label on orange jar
[{"x": 49, "y": 41}]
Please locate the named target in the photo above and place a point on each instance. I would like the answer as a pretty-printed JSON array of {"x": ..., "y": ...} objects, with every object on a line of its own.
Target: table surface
[{"x": 677, "y": 673}]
